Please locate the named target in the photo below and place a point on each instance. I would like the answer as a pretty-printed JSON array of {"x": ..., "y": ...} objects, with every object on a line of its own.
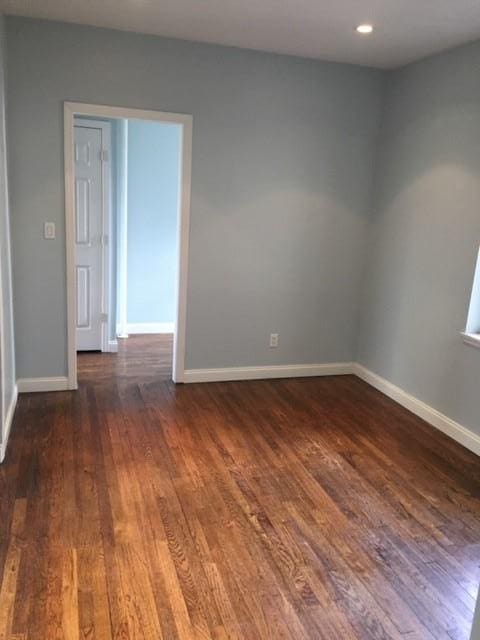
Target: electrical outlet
[{"x": 273, "y": 340}]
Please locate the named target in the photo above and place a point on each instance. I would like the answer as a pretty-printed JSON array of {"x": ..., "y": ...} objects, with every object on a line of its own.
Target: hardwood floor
[
  {"x": 289, "y": 509},
  {"x": 140, "y": 358}
]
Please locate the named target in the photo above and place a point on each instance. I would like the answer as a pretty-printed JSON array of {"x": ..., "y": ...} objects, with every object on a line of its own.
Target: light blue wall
[
  {"x": 282, "y": 162},
  {"x": 425, "y": 235},
  {"x": 153, "y": 191}
]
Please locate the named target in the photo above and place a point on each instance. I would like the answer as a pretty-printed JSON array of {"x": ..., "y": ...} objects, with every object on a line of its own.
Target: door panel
[
  {"x": 82, "y": 208},
  {"x": 83, "y": 297},
  {"x": 88, "y": 236}
]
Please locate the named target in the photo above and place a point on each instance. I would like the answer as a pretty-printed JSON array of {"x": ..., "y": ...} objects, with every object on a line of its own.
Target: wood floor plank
[
  {"x": 283, "y": 509},
  {"x": 70, "y": 622},
  {"x": 11, "y": 569}
]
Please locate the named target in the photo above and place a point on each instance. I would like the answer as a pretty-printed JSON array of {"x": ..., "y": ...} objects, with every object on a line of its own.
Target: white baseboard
[
  {"x": 28, "y": 385},
  {"x": 112, "y": 346},
  {"x": 150, "y": 327},
  {"x": 8, "y": 422},
  {"x": 458, "y": 432},
  {"x": 259, "y": 373}
]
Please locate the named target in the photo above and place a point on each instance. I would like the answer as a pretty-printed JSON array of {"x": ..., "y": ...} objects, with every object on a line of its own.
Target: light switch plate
[{"x": 49, "y": 230}]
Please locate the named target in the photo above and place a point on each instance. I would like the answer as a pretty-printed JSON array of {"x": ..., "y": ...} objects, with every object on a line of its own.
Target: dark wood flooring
[
  {"x": 140, "y": 359},
  {"x": 289, "y": 509}
]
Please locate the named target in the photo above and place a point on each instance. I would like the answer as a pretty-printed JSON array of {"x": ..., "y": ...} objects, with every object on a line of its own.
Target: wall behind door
[{"x": 153, "y": 196}]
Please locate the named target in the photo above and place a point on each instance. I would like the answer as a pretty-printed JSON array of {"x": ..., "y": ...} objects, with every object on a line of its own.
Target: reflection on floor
[{"x": 142, "y": 358}]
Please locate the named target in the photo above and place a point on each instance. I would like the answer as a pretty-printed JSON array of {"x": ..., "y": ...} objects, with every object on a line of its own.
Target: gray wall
[
  {"x": 282, "y": 171},
  {"x": 425, "y": 235},
  {"x": 7, "y": 355}
]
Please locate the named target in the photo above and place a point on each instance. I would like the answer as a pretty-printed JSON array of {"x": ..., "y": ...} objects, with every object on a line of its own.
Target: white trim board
[
  {"x": 150, "y": 327},
  {"x": 72, "y": 109},
  {"x": 122, "y": 228},
  {"x": 260, "y": 373},
  {"x": 443, "y": 423},
  {"x": 112, "y": 346},
  {"x": 473, "y": 339},
  {"x": 9, "y": 414},
  {"x": 28, "y": 385}
]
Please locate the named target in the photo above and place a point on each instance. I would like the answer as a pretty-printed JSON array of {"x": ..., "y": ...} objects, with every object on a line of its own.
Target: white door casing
[
  {"x": 92, "y": 193},
  {"x": 122, "y": 228},
  {"x": 73, "y": 110}
]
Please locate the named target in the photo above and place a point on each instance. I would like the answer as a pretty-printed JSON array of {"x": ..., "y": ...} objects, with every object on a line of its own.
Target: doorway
[{"x": 97, "y": 274}]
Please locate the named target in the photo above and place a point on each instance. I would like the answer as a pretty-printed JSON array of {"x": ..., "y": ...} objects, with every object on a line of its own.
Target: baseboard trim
[
  {"x": 8, "y": 422},
  {"x": 112, "y": 346},
  {"x": 30, "y": 385},
  {"x": 149, "y": 327},
  {"x": 443, "y": 423},
  {"x": 259, "y": 373}
]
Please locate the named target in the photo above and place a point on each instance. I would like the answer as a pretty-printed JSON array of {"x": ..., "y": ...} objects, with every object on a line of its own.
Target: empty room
[{"x": 239, "y": 320}]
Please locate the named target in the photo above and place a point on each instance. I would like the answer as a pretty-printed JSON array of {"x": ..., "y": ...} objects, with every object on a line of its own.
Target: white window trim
[
  {"x": 472, "y": 339},
  {"x": 471, "y": 335}
]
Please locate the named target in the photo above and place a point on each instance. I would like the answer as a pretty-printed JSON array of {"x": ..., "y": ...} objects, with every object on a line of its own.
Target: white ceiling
[{"x": 405, "y": 29}]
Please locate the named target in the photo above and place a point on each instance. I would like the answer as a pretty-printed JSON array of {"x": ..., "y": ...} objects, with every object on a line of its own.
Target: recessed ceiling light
[{"x": 365, "y": 28}]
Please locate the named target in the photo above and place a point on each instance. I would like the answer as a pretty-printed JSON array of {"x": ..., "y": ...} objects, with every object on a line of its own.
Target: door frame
[
  {"x": 72, "y": 109},
  {"x": 106, "y": 222}
]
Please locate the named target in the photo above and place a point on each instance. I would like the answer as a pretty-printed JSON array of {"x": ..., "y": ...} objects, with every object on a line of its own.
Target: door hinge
[
  {"x": 104, "y": 240},
  {"x": 104, "y": 155},
  {"x": 103, "y": 317}
]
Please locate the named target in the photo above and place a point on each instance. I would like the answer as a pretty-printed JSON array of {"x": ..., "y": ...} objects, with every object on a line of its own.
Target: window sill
[{"x": 473, "y": 339}]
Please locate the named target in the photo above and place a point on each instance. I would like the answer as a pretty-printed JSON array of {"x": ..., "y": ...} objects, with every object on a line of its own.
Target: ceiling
[{"x": 406, "y": 30}]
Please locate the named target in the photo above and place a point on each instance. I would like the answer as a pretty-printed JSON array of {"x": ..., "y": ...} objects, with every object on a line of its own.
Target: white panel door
[{"x": 88, "y": 237}]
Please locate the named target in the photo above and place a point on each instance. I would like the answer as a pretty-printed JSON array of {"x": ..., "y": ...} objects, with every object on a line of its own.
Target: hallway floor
[{"x": 140, "y": 358}]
